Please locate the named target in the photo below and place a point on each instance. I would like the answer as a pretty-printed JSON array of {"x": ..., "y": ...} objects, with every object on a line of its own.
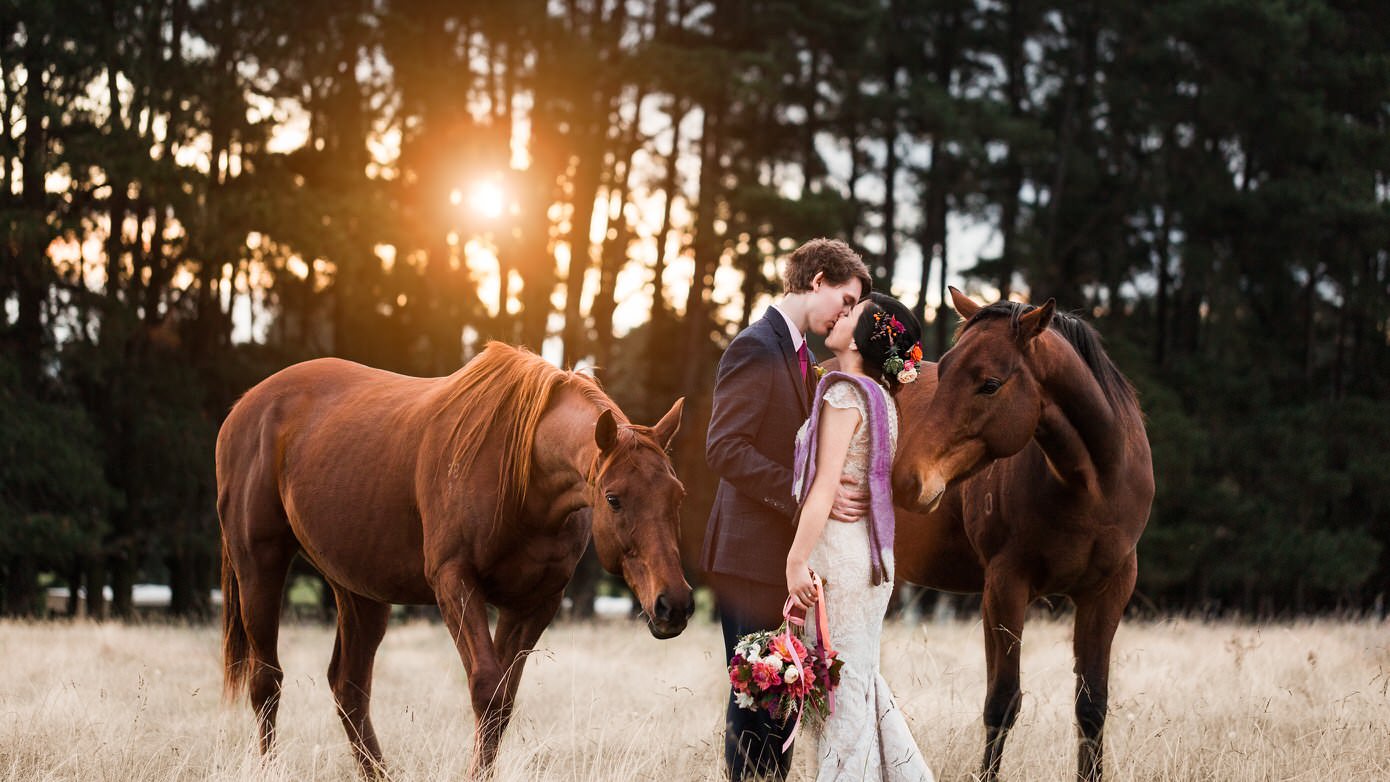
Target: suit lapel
[{"x": 789, "y": 358}]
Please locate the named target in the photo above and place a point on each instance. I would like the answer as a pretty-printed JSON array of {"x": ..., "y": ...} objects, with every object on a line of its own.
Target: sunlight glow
[{"x": 488, "y": 199}]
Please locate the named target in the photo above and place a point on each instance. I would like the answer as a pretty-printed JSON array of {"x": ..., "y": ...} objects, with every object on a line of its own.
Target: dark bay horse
[
  {"x": 1025, "y": 456},
  {"x": 477, "y": 489}
]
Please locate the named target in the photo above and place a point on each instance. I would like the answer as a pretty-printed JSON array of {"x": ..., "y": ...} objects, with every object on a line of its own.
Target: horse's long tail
[{"x": 235, "y": 644}]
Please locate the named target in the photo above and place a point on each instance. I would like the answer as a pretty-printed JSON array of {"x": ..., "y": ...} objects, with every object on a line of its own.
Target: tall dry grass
[{"x": 1189, "y": 701}]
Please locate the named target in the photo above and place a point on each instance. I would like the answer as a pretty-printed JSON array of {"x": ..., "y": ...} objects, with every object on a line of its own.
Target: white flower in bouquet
[
  {"x": 791, "y": 674},
  {"x": 749, "y": 648},
  {"x": 743, "y": 700}
]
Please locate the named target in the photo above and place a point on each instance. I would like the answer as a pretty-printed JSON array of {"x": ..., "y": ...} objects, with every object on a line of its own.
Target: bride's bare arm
[{"x": 837, "y": 427}]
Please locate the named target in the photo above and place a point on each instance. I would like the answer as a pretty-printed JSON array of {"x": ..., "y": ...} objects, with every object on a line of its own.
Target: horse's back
[
  {"x": 326, "y": 450},
  {"x": 263, "y": 412}
]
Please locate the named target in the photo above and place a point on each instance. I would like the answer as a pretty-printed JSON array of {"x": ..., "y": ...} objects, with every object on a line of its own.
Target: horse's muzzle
[
  {"x": 669, "y": 614},
  {"x": 911, "y": 492}
]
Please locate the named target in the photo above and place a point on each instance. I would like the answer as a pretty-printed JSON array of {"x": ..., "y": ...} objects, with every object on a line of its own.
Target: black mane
[{"x": 1083, "y": 338}]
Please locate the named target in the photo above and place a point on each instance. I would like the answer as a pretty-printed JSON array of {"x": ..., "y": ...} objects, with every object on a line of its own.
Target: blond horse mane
[{"x": 500, "y": 397}]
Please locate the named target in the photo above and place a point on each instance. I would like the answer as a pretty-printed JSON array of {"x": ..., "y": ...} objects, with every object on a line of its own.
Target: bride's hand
[
  {"x": 799, "y": 584},
  {"x": 851, "y": 503}
]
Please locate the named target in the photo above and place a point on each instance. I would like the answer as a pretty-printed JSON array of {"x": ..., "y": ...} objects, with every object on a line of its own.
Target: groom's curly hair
[{"x": 831, "y": 257}]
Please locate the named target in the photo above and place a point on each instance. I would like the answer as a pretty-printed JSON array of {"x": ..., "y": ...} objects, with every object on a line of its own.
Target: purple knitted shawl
[{"x": 880, "y": 465}]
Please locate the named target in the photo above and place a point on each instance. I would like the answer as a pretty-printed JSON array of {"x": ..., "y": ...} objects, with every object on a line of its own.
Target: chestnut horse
[
  {"x": 1024, "y": 452},
  {"x": 463, "y": 491}
]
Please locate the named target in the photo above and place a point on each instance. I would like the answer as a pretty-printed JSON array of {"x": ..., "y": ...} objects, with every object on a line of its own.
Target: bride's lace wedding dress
[{"x": 867, "y": 737}]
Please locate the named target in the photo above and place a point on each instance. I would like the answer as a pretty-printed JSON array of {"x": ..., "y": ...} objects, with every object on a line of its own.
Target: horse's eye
[
  {"x": 990, "y": 386},
  {"x": 613, "y": 501}
]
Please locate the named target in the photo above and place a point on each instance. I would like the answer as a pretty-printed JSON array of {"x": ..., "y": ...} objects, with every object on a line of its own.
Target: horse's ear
[
  {"x": 1036, "y": 322},
  {"x": 606, "y": 430},
  {"x": 965, "y": 305},
  {"x": 666, "y": 429}
]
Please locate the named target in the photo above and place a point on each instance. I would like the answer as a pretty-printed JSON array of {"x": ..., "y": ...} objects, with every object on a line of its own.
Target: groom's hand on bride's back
[{"x": 851, "y": 502}]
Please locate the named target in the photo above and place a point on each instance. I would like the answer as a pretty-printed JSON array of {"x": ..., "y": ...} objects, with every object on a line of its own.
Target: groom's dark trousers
[
  {"x": 760, "y": 400},
  {"x": 752, "y": 740}
]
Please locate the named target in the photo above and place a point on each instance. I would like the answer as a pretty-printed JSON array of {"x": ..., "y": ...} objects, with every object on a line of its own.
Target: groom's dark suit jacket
[{"x": 760, "y": 401}]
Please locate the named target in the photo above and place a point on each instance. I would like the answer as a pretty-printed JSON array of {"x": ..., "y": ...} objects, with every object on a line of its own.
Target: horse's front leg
[
  {"x": 516, "y": 635},
  {"x": 1097, "y": 618},
  {"x": 464, "y": 608},
  {"x": 1004, "y": 606}
]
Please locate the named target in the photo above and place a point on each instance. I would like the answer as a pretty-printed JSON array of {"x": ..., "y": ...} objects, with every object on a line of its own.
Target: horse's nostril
[
  {"x": 909, "y": 488},
  {"x": 662, "y": 608}
]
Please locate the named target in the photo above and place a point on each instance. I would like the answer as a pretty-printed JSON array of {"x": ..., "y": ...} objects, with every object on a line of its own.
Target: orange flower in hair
[{"x": 888, "y": 328}]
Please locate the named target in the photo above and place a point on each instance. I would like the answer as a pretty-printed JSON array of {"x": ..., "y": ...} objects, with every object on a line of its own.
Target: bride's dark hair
[{"x": 879, "y": 344}]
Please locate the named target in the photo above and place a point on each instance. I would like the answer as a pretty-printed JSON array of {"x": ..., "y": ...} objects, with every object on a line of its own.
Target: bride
[{"x": 853, "y": 431}]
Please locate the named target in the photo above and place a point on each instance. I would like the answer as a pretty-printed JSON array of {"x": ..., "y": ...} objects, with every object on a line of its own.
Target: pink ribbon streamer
[{"x": 823, "y": 649}]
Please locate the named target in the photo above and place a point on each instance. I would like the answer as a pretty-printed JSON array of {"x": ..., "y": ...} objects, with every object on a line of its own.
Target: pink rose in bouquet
[{"x": 773, "y": 671}]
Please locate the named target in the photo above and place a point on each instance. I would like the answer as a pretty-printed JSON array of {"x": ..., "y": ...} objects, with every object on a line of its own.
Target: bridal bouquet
[{"x": 773, "y": 670}]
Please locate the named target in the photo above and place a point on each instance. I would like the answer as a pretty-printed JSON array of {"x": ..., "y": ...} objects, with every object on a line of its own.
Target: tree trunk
[
  {"x": 890, "y": 164},
  {"x": 161, "y": 268},
  {"x": 95, "y": 576},
  {"x": 582, "y": 589},
  {"x": 1165, "y": 283},
  {"x": 21, "y": 597},
  {"x": 1015, "y": 88},
  {"x": 346, "y": 129},
  {"x": 924, "y": 240},
  {"x": 535, "y": 261},
  {"x": 32, "y": 234},
  {"x": 706, "y": 245},
  {"x": 592, "y": 121},
  {"x": 1072, "y": 126},
  {"x": 586, "y": 181},
  {"x": 74, "y": 579},
  {"x": 615, "y": 248},
  {"x": 211, "y": 252},
  {"x": 1310, "y": 312},
  {"x": 659, "y": 327},
  {"x": 810, "y": 161},
  {"x": 181, "y": 599},
  {"x": 119, "y": 202},
  {"x": 889, "y": 266},
  {"x": 190, "y": 570},
  {"x": 122, "y": 569},
  {"x": 937, "y": 211}
]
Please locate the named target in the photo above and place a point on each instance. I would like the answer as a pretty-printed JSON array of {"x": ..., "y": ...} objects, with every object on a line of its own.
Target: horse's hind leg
[
  {"x": 361, "y": 625},
  {"x": 262, "y": 569},
  {"x": 1005, "y": 603},
  {"x": 1097, "y": 617}
]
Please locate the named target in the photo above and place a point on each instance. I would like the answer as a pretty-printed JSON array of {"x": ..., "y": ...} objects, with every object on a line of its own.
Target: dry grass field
[{"x": 1189, "y": 701}]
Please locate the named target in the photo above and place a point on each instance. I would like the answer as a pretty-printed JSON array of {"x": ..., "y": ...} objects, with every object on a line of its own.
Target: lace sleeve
[{"x": 844, "y": 395}]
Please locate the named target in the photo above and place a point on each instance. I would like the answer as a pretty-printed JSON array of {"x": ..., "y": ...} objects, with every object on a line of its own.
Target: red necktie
[{"x": 804, "y": 356}]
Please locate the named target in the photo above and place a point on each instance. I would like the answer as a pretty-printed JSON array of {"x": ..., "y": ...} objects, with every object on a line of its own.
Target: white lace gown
[{"x": 867, "y": 737}]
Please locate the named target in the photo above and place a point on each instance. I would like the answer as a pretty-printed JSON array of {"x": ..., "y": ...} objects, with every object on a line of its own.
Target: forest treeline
[{"x": 195, "y": 193}]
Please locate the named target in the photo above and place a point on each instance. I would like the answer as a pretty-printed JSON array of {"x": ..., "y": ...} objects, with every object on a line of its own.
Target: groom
[{"x": 762, "y": 395}]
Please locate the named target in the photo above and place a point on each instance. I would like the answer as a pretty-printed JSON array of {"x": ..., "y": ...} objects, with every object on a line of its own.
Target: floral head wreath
[{"x": 904, "y": 368}]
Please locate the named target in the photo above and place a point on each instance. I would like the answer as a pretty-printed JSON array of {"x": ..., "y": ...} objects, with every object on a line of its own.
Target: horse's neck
[
  {"x": 564, "y": 455},
  {"x": 1079, "y": 431}
]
